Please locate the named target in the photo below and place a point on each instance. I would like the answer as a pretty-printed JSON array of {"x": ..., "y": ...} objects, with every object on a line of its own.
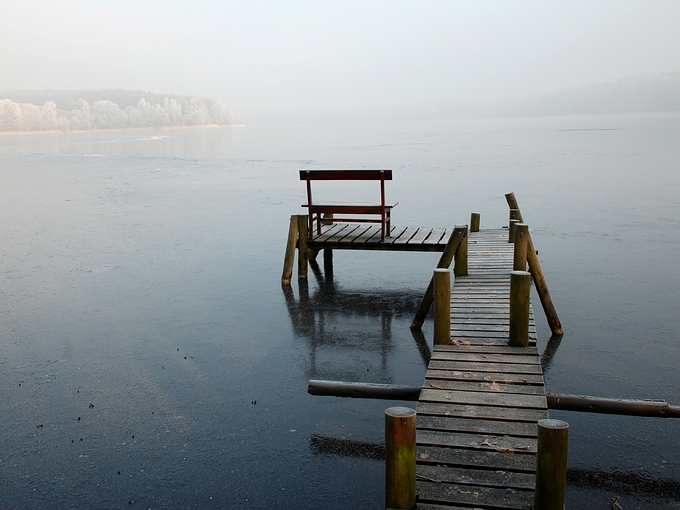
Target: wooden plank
[
  {"x": 334, "y": 229},
  {"x": 343, "y": 233},
  {"x": 508, "y": 368},
  {"x": 428, "y": 454},
  {"x": 372, "y": 231},
  {"x": 351, "y": 236},
  {"x": 484, "y": 398},
  {"x": 483, "y": 412},
  {"x": 489, "y": 350},
  {"x": 420, "y": 236},
  {"x": 406, "y": 235},
  {"x": 461, "y": 383},
  {"x": 435, "y": 235},
  {"x": 493, "y": 427},
  {"x": 487, "y": 357},
  {"x": 475, "y": 441},
  {"x": 486, "y": 477},
  {"x": 505, "y": 378},
  {"x": 488, "y": 497}
]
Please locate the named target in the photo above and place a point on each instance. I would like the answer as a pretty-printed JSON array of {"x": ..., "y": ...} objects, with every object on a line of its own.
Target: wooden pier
[{"x": 481, "y": 399}]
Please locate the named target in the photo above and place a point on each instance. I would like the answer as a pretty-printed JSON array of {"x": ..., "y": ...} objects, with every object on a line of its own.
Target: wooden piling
[
  {"x": 460, "y": 260},
  {"x": 289, "y": 258},
  {"x": 521, "y": 244},
  {"x": 303, "y": 231},
  {"x": 511, "y": 230},
  {"x": 538, "y": 277},
  {"x": 551, "y": 465},
  {"x": 442, "y": 306},
  {"x": 458, "y": 234},
  {"x": 474, "y": 222},
  {"x": 520, "y": 287},
  {"x": 400, "y": 458}
]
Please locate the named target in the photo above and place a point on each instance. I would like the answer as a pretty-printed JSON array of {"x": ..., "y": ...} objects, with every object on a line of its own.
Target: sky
[{"x": 266, "y": 57}]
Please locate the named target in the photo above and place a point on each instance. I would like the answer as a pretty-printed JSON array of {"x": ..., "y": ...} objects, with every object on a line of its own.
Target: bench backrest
[{"x": 345, "y": 175}]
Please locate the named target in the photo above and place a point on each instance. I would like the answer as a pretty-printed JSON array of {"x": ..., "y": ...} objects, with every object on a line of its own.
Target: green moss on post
[{"x": 400, "y": 458}]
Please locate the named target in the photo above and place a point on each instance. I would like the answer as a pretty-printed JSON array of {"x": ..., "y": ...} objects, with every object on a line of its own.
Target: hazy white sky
[{"x": 334, "y": 55}]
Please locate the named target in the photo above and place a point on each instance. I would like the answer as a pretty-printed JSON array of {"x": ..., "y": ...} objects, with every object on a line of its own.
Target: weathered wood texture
[
  {"x": 349, "y": 236},
  {"x": 481, "y": 399}
]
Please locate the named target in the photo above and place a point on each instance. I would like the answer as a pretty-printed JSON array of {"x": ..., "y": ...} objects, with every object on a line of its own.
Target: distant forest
[{"x": 46, "y": 110}]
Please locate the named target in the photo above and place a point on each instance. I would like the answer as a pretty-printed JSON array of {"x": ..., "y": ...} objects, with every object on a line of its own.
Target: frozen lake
[{"x": 149, "y": 354}]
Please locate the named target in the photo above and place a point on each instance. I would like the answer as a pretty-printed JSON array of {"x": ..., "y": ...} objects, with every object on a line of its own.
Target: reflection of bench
[{"x": 349, "y": 212}]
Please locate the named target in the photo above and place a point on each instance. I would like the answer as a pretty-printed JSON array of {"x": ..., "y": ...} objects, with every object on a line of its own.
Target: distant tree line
[{"x": 105, "y": 109}]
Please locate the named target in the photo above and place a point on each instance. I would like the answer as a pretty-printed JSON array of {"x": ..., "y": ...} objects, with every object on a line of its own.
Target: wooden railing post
[
  {"x": 538, "y": 277},
  {"x": 521, "y": 244},
  {"x": 442, "y": 306},
  {"x": 551, "y": 465},
  {"x": 520, "y": 287},
  {"x": 474, "y": 222},
  {"x": 459, "y": 232},
  {"x": 289, "y": 257},
  {"x": 460, "y": 260},
  {"x": 303, "y": 229},
  {"x": 511, "y": 230},
  {"x": 400, "y": 458}
]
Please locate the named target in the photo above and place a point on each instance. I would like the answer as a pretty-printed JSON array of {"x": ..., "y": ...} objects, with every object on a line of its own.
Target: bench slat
[{"x": 346, "y": 175}]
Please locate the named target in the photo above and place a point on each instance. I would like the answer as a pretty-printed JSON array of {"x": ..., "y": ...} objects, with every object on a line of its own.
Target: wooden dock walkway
[{"x": 481, "y": 399}]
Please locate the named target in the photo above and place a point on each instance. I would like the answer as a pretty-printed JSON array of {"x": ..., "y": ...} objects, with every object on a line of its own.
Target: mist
[{"x": 336, "y": 59}]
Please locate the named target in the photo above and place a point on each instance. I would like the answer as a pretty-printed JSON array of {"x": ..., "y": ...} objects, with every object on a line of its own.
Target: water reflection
[{"x": 357, "y": 324}]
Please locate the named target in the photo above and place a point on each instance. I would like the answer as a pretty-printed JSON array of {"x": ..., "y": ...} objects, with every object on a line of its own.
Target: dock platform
[
  {"x": 481, "y": 399},
  {"x": 352, "y": 236}
]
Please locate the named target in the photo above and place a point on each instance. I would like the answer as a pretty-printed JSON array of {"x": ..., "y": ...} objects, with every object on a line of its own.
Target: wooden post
[
  {"x": 400, "y": 458},
  {"x": 460, "y": 260},
  {"x": 551, "y": 465},
  {"x": 511, "y": 230},
  {"x": 539, "y": 278},
  {"x": 515, "y": 214},
  {"x": 289, "y": 258},
  {"x": 459, "y": 232},
  {"x": 520, "y": 287},
  {"x": 302, "y": 245},
  {"x": 474, "y": 222},
  {"x": 442, "y": 306},
  {"x": 521, "y": 243}
]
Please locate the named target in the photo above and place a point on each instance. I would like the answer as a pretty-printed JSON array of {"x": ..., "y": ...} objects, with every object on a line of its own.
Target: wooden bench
[{"x": 349, "y": 212}]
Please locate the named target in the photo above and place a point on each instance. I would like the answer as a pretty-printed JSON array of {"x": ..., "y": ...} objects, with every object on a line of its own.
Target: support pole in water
[
  {"x": 458, "y": 234},
  {"x": 551, "y": 465},
  {"x": 289, "y": 258},
  {"x": 460, "y": 260},
  {"x": 511, "y": 230},
  {"x": 400, "y": 458},
  {"x": 539, "y": 277},
  {"x": 520, "y": 287},
  {"x": 303, "y": 229},
  {"x": 474, "y": 222},
  {"x": 442, "y": 306}
]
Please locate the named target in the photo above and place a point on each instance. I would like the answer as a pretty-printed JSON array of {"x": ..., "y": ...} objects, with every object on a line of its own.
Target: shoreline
[{"x": 149, "y": 128}]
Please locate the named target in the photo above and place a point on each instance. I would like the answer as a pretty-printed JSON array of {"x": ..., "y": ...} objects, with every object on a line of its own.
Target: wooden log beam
[
  {"x": 538, "y": 276},
  {"x": 363, "y": 390},
  {"x": 576, "y": 403},
  {"x": 587, "y": 404},
  {"x": 458, "y": 234}
]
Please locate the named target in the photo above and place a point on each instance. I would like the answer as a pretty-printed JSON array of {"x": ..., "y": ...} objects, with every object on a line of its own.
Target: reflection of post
[
  {"x": 302, "y": 246},
  {"x": 421, "y": 343},
  {"x": 386, "y": 330},
  {"x": 327, "y": 253}
]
